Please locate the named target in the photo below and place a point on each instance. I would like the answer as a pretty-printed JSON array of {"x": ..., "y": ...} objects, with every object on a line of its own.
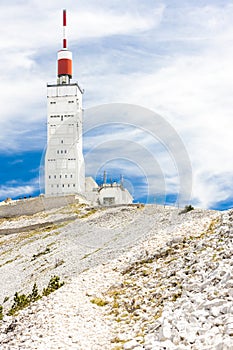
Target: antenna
[
  {"x": 105, "y": 177},
  {"x": 64, "y": 58},
  {"x": 122, "y": 180},
  {"x": 64, "y": 30}
]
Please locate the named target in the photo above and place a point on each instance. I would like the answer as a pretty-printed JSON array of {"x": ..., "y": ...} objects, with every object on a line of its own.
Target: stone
[
  {"x": 215, "y": 311},
  {"x": 132, "y": 344},
  {"x": 229, "y": 329},
  {"x": 165, "y": 331}
]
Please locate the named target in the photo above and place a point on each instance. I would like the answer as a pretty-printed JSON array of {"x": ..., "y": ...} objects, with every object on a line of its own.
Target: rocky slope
[{"x": 136, "y": 278}]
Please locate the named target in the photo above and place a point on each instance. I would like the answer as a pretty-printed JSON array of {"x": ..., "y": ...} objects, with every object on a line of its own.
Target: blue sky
[{"x": 170, "y": 57}]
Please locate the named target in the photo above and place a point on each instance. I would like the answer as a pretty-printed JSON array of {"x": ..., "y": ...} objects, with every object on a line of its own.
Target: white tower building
[{"x": 64, "y": 163}]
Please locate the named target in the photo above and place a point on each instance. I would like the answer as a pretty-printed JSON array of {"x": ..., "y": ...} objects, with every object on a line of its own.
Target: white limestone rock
[{"x": 132, "y": 344}]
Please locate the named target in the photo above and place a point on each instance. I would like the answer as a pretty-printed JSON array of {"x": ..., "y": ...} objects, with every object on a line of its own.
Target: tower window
[
  {"x": 63, "y": 185},
  {"x": 55, "y": 177},
  {"x": 66, "y": 176},
  {"x": 49, "y": 176},
  {"x": 57, "y": 152},
  {"x": 68, "y": 185},
  {"x": 61, "y": 141},
  {"x": 57, "y": 186},
  {"x": 71, "y": 176},
  {"x": 61, "y": 151},
  {"x": 73, "y": 185},
  {"x": 62, "y": 118},
  {"x": 60, "y": 176}
]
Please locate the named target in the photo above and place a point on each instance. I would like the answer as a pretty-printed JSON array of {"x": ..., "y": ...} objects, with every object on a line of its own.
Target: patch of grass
[
  {"x": 88, "y": 254},
  {"x": 99, "y": 302},
  {"x": 89, "y": 213},
  {"x": 5, "y": 299},
  {"x": 1, "y": 313},
  {"x": 212, "y": 226},
  {"x": 51, "y": 244},
  {"x": 9, "y": 251},
  {"x": 31, "y": 234},
  {"x": 114, "y": 292},
  {"x": 115, "y": 304},
  {"x": 26, "y": 237},
  {"x": 50, "y": 235},
  {"x": 22, "y": 301},
  {"x": 10, "y": 261},
  {"x": 118, "y": 340},
  {"x": 34, "y": 296},
  {"x": 46, "y": 251},
  {"x": 59, "y": 262},
  {"x": 176, "y": 296},
  {"x": 158, "y": 314},
  {"x": 53, "y": 285},
  {"x": 146, "y": 273}
]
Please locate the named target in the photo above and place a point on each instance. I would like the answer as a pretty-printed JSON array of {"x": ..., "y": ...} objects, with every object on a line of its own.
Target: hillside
[{"x": 135, "y": 278}]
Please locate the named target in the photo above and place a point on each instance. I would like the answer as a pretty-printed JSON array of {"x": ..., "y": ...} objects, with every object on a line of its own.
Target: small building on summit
[
  {"x": 106, "y": 194},
  {"x": 114, "y": 194},
  {"x": 64, "y": 161}
]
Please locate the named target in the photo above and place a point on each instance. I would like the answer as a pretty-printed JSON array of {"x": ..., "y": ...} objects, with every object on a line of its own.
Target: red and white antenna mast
[
  {"x": 64, "y": 30},
  {"x": 64, "y": 59}
]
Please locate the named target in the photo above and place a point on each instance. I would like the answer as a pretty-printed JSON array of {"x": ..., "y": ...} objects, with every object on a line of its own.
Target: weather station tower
[{"x": 64, "y": 163}]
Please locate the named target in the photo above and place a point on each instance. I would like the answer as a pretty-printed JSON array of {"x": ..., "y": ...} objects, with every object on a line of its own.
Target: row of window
[
  {"x": 54, "y": 160},
  {"x": 69, "y": 185},
  {"x": 65, "y": 115},
  {"x": 54, "y": 125},
  {"x": 54, "y": 102},
  {"x": 61, "y": 151},
  {"x": 60, "y": 176}
]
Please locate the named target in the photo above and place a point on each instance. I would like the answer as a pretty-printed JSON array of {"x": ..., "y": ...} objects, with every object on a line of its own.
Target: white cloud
[{"x": 14, "y": 189}]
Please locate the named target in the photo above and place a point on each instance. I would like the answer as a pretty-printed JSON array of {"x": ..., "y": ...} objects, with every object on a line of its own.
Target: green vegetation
[
  {"x": 5, "y": 299},
  {"x": 22, "y": 300},
  {"x": 46, "y": 251},
  {"x": 1, "y": 312},
  {"x": 99, "y": 301},
  {"x": 34, "y": 296},
  {"x": 89, "y": 254},
  {"x": 186, "y": 209},
  {"x": 59, "y": 262},
  {"x": 53, "y": 285},
  {"x": 89, "y": 213}
]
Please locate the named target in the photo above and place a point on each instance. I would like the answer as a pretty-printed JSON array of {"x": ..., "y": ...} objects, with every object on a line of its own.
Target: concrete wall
[
  {"x": 34, "y": 205},
  {"x": 90, "y": 184}
]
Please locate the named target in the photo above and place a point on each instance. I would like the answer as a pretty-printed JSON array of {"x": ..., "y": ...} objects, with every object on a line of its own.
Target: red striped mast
[
  {"x": 64, "y": 30},
  {"x": 64, "y": 57}
]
